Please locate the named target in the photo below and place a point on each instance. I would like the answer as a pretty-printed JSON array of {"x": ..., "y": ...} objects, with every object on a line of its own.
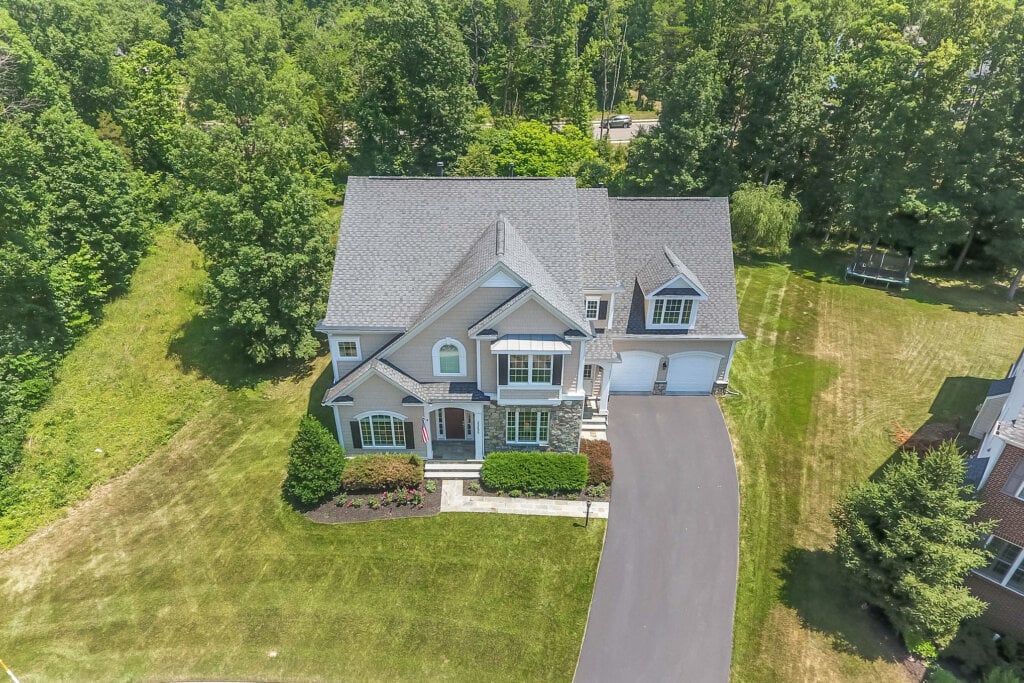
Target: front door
[{"x": 454, "y": 423}]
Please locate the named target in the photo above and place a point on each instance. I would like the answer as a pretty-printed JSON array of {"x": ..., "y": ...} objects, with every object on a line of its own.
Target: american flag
[{"x": 424, "y": 431}]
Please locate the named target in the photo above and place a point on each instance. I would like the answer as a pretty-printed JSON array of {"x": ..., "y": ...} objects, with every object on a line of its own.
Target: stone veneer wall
[{"x": 563, "y": 428}]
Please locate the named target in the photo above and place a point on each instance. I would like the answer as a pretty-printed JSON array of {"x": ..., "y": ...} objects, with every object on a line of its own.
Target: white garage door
[
  {"x": 636, "y": 372},
  {"x": 692, "y": 373}
]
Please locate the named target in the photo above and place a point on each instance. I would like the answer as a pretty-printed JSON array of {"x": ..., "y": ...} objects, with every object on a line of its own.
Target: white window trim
[
  {"x": 436, "y": 356},
  {"x": 1020, "y": 492},
  {"x": 337, "y": 348},
  {"x": 516, "y": 412},
  {"x": 397, "y": 416},
  {"x": 529, "y": 371},
  {"x": 672, "y": 326},
  {"x": 1014, "y": 566},
  {"x": 597, "y": 311},
  {"x": 588, "y": 366}
]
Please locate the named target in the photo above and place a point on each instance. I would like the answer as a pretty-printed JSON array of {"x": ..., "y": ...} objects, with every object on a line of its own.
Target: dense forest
[{"x": 239, "y": 122}]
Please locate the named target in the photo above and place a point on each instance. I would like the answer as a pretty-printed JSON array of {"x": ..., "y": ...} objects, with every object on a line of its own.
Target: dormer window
[
  {"x": 449, "y": 357},
  {"x": 672, "y": 311},
  {"x": 593, "y": 307}
]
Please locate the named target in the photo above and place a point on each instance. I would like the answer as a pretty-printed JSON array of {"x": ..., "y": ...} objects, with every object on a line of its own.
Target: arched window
[
  {"x": 449, "y": 358},
  {"x": 382, "y": 430}
]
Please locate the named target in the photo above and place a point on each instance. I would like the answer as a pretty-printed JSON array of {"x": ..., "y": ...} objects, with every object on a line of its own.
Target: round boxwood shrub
[
  {"x": 382, "y": 472},
  {"x": 315, "y": 463},
  {"x": 599, "y": 461},
  {"x": 534, "y": 472}
]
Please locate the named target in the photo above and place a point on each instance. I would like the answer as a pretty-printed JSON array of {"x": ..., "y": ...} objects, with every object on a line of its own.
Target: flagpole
[{"x": 9, "y": 672}]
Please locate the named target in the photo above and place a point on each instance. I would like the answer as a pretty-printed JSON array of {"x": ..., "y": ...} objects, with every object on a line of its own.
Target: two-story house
[
  {"x": 999, "y": 472},
  {"x": 468, "y": 315}
]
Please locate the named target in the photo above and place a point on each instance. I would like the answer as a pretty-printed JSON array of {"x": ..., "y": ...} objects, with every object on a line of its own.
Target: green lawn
[
  {"x": 188, "y": 566},
  {"x": 829, "y": 370}
]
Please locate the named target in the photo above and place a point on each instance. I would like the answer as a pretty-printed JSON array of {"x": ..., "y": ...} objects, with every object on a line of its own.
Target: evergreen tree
[{"x": 909, "y": 539}]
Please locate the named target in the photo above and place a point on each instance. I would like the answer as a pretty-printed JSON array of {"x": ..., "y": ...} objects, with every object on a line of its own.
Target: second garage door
[
  {"x": 636, "y": 372},
  {"x": 692, "y": 373}
]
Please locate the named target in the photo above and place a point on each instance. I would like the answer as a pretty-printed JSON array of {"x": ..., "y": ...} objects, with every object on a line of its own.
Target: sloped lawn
[
  {"x": 829, "y": 371},
  {"x": 190, "y": 567}
]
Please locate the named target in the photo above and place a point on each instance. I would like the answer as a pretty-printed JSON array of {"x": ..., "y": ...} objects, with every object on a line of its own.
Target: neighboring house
[
  {"x": 468, "y": 315},
  {"x": 998, "y": 470}
]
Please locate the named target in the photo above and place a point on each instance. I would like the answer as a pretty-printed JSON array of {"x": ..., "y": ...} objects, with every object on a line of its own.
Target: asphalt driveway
[{"x": 666, "y": 587}]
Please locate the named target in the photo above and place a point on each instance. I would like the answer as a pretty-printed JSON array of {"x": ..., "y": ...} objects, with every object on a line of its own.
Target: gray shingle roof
[
  {"x": 697, "y": 232},
  {"x": 407, "y": 243},
  {"x": 598, "y": 254}
]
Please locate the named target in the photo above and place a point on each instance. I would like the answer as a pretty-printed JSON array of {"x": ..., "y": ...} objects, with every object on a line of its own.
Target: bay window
[{"x": 382, "y": 430}]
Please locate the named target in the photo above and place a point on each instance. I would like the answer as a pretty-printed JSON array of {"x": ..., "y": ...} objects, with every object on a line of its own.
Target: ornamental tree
[
  {"x": 762, "y": 217},
  {"x": 908, "y": 541}
]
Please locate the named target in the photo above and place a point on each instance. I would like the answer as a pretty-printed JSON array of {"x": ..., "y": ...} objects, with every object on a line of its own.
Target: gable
[
  {"x": 414, "y": 355},
  {"x": 680, "y": 285},
  {"x": 503, "y": 280},
  {"x": 530, "y": 317}
]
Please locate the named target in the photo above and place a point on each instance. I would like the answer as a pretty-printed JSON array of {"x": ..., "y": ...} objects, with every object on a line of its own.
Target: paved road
[
  {"x": 666, "y": 587},
  {"x": 622, "y": 135}
]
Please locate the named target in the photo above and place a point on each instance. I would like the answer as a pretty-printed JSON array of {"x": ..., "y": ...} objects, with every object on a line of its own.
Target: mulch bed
[
  {"x": 330, "y": 513},
  {"x": 560, "y": 496}
]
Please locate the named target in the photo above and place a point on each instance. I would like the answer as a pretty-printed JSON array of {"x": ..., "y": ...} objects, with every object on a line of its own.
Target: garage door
[
  {"x": 636, "y": 372},
  {"x": 692, "y": 373}
]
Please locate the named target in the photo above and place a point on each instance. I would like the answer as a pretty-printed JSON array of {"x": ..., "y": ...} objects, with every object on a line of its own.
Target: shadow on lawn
[
  {"x": 204, "y": 347},
  {"x": 968, "y": 291},
  {"x": 316, "y": 395},
  {"x": 813, "y": 587}
]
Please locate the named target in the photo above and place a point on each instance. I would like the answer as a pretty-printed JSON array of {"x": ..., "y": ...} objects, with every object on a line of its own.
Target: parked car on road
[{"x": 619, "y": 121}]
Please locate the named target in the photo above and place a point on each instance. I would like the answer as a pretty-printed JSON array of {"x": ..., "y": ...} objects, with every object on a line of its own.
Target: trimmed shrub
[
  {"x": 382, "y": 472},
  {"x": 535, "y": 472},
  {"x": 315, "y": 463},
  {"x": 599, "y": 461}
]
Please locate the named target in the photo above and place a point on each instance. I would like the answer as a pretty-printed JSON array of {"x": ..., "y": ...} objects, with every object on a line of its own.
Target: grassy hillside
[
  {"x": 190, "y": 567},
  {"x": 829, "y": 371}
]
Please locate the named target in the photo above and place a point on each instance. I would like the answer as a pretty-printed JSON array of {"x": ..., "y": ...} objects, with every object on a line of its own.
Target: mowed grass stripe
[
  {"x": 191, "y": 567},
  {"x": 823, "y": 382}
]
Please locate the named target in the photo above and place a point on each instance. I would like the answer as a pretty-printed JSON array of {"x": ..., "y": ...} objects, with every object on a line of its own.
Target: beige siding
[
  {"x": 415, "y": 355},
  {"x": 376, "y": 394},
  {"x": 668, "y": 347},
  {"x": 531, "y": 318},
  {"x": 488, "y": 368},
  {"x": 368, "y": 345}
]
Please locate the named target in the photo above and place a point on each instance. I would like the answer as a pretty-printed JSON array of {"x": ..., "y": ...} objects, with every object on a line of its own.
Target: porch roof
[{"x": 531, "y": 343}]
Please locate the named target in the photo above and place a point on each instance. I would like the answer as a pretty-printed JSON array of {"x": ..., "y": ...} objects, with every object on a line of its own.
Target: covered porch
[{"x": 456, "y": 431}]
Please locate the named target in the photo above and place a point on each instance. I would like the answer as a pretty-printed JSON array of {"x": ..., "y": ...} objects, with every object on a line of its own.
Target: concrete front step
[{"x": 451, "y": 470}]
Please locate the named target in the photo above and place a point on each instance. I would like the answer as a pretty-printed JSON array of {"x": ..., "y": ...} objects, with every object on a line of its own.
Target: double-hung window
[
  {"x": 527, "y": 426},
  {"x": 530, "y": 368},
  {"x": 382, "y": 431},
  {"x": 672, "y": 311},
  {"x": 348, "y": 348},
  {"x": 593, "y": 307},
  {"x": 1006, "y": 567}
]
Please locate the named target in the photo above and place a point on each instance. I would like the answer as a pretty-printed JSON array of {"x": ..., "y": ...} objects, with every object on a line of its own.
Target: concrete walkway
[
  {"x": 452, "y": 500},
  {"x": 666, "y": 586}
]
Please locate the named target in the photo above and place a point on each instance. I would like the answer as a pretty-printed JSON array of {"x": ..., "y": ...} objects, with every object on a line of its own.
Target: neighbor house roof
[{"x": 662, "y": 234}]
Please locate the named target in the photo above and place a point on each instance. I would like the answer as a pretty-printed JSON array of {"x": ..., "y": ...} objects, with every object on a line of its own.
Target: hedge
[
  {"x": 534, "y": 472},
  {"x": 382, "y": 472},
  {"x": 599, "y": 461},
  {"x": 315, "y": 463}
]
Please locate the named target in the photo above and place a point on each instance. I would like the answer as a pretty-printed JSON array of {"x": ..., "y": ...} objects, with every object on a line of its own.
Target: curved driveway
[{"x": 666, "y": 586}]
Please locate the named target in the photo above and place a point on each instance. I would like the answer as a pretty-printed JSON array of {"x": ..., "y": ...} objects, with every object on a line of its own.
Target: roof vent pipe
[
  {"x": 440, "y": 169},
  {"x": 511, "y": 170}
]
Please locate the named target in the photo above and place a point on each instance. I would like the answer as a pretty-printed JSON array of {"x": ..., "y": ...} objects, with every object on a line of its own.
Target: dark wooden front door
[{"x": 454, "y": 423}]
